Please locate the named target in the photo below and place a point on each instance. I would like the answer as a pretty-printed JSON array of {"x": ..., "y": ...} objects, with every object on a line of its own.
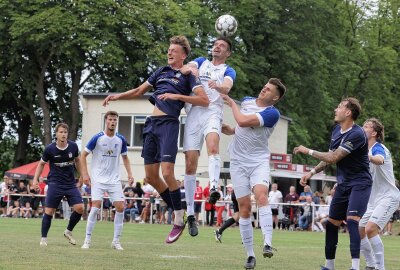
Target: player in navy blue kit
[
  {"x": 63, "y": 156},
  {"x": 349, "y": 151},
  {"x": 160, "y": 133}
]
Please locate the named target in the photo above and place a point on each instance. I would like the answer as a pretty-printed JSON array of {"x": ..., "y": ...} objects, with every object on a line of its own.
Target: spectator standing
[
  {"x": 275, "y": 196},
  {"x": 220, "y": 207},
  {"x": 291, "y": 210},
  {"x": 198, "y": 195},
  {"x": 210, "y": 208}
]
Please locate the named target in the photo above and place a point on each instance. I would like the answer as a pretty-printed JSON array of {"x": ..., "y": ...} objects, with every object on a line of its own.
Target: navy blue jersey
[
  {"x": 167, "y": 80},
  {"x": 354, "y": 168},
  {"x": 62, "y": 163}
]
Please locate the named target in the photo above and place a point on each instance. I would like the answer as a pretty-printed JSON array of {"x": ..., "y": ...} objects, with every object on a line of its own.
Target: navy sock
[
  {"x": 355, "y": 239},
  {"x": 46, "y": 223},
  {"x": 165, "y": 195},
  {"x": 227, "y": 223},
  {"x": 331, "y": 240},
  {"x": 73, "y": 220},
  {"x": 176, "y": 199}
]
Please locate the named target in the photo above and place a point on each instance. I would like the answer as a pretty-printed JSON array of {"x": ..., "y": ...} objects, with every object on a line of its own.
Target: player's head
[
  {"x": 179, "y": 49},
  {"x": 111, "y": 120},
  {"x": 222, "y": 48},
  {"x": 348, "y": 108},
  {"x": 374, "y": 129},
  {"x": 273, "y": 91},
  {"x": 62, "y": 132}
]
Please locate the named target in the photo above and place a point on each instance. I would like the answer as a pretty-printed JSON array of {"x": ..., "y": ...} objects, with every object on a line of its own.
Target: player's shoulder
[
  {"x": 72, "y": 144},
  {"x": 199, "y": 61},
  {"x": 98, "y": 135},
  {"x": 120, "y": 136},
  {"x": 248, "y": 99}
]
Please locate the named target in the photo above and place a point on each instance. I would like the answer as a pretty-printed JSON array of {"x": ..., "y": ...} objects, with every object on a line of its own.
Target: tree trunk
[{"x": 23, "y": 131}]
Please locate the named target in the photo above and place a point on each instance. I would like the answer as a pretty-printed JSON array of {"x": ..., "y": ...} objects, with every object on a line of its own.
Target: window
[{"x": 131, "y": 127}]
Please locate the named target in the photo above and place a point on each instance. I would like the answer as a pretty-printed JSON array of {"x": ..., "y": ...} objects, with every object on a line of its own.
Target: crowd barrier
[{"x": 203, "y": 212}]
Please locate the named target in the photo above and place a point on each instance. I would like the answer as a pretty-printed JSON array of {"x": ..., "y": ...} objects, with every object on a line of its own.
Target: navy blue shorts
[
  {"x": 197, "y": 207},
  {"x": 349, "y": 201},
  {"x": 55, "y": 194},
  {"x": 160, "y": 139}
]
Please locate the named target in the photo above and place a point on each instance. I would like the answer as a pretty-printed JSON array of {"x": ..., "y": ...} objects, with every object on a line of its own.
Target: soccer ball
[{"x": 226, "y": 25}]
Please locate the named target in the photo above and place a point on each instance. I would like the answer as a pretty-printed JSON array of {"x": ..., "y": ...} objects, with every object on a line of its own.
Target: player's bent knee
[{"x": 371, "y": 229}]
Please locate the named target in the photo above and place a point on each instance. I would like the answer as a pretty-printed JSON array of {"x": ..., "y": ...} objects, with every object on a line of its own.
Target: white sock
[
  {"x": 377, "y": 247},
  {"x": 190, "y": 188},
  {"x": 214, "y": 169},
  {"x": 246, "y": 232},
  {"x": 355, "y": 264},
  {"x": 178, "y": 217},
  {"x": 265, "y": 216},
  {"x": 330, "y": 264},
  {"x": 118, "y": 225},
  {"x": 91, "y": 221},
  {"x": 366, "y": 250}
]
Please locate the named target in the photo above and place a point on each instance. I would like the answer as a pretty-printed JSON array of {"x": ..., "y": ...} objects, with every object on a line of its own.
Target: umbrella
[{"x": 27, "y": 171}]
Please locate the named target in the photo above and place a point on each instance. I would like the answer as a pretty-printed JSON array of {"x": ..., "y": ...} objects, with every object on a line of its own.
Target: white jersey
[
  {"x": 382, "y": 175},
  {"x": 250, "y": 144},
  {"x": 106, "y": 153},
  {"x": 207, "y": 72},
  {"x": 274, "y": 197}
]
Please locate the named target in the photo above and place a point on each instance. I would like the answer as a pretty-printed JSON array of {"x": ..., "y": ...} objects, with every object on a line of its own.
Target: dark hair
[
  {"x": 182, "y": 41},
  {"x": 279, "y": 85},
  {"x": 354, "y": 106},
  {"x": 227, "y": 40},
  {"x": 61, "y": 125},
  {"x": 378, "y": 128},
  {"x": 112, "y": 113}
]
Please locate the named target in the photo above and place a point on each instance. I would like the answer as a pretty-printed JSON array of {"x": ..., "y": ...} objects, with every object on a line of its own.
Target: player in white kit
[
  {"x": 384, "y": 199},
  {"x": 106, "y": 148},
  {"x": 249, "y": 161},
  {"x": 204, "y": 123}
]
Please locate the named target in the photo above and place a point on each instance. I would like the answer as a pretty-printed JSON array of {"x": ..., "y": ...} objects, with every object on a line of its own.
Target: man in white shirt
[
  {"x": 106, "y": 147},
  {"x": 249, "y": 161},
  {"x": 275, "y": 196}
]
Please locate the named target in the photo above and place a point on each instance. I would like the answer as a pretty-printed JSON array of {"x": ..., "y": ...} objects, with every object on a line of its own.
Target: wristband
[{"x": 310, "y": 152}]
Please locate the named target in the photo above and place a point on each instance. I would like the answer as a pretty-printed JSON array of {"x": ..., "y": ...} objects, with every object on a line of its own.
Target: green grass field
[{"x": 145, "y": 249}]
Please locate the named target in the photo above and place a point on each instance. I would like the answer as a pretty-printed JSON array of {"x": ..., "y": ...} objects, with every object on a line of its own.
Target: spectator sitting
[
  {"x": 13, "y": 210},
  {"x": 34, "y": 200},
  {"x": 328, "y": 198},
  {"x": 145, "y": 215},
  {"x": 306, "y": 218},
  {"x": 129, "y": 187},
  {"x": 163, "y": 211},
  {"x": 130, "y": 207},
  {"x": 321, "y": 216}
]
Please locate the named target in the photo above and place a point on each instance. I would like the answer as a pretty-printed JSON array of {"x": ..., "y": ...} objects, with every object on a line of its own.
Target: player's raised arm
[
  {"x": 190, "y": 68},
  {"x": 330, "y": 157},
  {"x": 224, "y": 87},
  {"x": 243, "y": 120},
  {"x": 130, "y": 94}
]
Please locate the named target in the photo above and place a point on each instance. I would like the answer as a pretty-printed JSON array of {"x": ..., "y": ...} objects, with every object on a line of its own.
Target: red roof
[{"x": 27, "y": 171}]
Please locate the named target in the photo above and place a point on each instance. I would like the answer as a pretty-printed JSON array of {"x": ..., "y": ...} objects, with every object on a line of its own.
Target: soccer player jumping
[
  {"x": 249, "y": 161},
  {"x": 348, "y": 149}
]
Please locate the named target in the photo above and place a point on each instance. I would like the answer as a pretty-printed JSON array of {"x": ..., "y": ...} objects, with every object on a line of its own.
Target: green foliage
[{"x": 322, "y": 50}]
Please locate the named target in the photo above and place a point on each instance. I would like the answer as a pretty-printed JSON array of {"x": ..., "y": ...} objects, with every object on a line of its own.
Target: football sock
[
  {"x": 366, "y": 250},
  {"x": 227, "y": 223},
  {"x": 355, "y": 239},
  {"x": 166, "y": 198},
  {"x": 265, "y": 216},
  {"x": 377, "y": 246},
  {"x": 330, "y": 264},
  {"x": 91, "y": 221},
  {"x": 46, "y": 223},
  {"x": 73, "y": 220},
  {"x": 214, "y": 169},
  {"x": 177, "y": 206},
  {"x": 118, "y": 225},
  {"x": 190, "y": 188},
  {"x": 331, "y": 240},
  {"x": 246, "y": 232}
]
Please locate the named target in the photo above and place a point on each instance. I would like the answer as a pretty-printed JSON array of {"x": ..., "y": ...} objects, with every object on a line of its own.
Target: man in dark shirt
[
  {"x": 160, "y": 133},
  {"x": 348, "y": 149}
]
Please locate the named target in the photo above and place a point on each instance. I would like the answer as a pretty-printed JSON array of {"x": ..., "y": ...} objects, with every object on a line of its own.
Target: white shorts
[
  {"x": 380, "y": 213},
  {"x": 245, "y": 177},
  {"x": 200, "y": 122},
  {"x": 114, "y": 192}
]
